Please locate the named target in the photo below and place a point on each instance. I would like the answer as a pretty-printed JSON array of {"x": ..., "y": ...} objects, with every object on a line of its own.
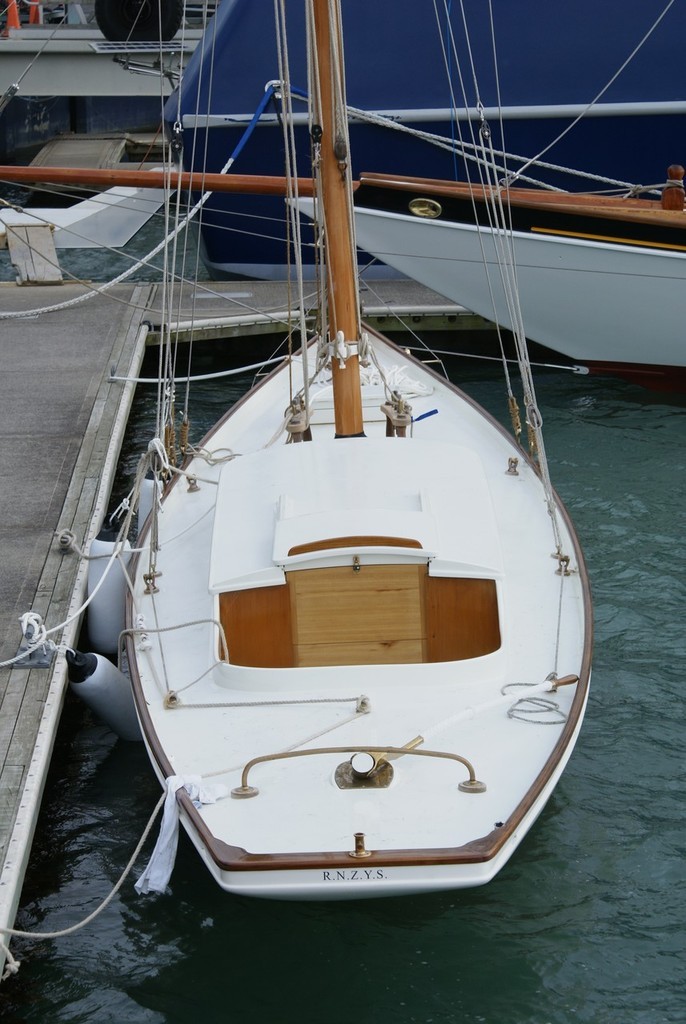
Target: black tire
[{"x": 139, "y": 20}]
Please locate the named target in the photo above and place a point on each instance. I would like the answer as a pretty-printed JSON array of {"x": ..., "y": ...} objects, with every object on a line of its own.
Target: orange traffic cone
[
  {"x": 35, "y": 13},
  {"x": 12, "y": 20}
]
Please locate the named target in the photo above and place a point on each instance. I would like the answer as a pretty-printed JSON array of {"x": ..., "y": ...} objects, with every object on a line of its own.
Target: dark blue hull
[
  {"x": 549, "y": 70},
  {"x": 31, "y": 121}
]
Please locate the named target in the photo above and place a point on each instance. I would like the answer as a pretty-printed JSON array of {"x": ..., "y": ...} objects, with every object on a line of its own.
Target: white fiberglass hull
[
  {"x": 330, "y": 523},
  {"x": 595, "y": 302}
]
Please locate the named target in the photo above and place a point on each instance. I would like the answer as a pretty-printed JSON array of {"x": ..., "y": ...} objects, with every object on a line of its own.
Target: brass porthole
[{"x": 425, "y": 208}]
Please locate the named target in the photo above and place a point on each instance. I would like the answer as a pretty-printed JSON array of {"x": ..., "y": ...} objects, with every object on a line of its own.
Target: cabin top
[{"x": 273, "y": 513}]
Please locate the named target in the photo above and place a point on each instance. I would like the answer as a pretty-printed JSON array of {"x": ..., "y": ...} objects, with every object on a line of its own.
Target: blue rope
[
  {"x": 264, "y": 103},
  {"x": 431, "y": 412}
]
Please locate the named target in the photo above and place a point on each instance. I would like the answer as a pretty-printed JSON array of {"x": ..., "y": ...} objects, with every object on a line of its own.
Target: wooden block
[{"x": 33, "y": 254}]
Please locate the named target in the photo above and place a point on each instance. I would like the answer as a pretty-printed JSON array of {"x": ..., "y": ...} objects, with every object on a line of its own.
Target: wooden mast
[{"x": 341, "y": 263}]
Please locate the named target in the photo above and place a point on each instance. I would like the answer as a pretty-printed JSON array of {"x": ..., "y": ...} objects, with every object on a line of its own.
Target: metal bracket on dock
[{"x": 41, "y": 657}]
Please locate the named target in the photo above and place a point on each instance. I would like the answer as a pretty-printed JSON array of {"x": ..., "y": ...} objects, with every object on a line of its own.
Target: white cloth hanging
[{"x": 156, "y": 875}]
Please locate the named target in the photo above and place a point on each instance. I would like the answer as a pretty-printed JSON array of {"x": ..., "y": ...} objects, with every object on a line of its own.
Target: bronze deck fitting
[
  {"x": 360, "y": 849},
  {"x": 472, "y": 785},
  {"x": 382, "y": 756},
  {"x": 564, "y": 681},
  {"x": 149, "y": 579}
]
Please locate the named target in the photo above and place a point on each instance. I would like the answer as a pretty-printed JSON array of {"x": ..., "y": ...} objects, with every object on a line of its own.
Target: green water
[
  {"x": 586, "y": 922},
  {"x": 103, "y": 264}
]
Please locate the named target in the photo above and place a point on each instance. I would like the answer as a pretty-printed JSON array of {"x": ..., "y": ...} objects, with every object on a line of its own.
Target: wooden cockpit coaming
[{"x": 361, "y": 614}]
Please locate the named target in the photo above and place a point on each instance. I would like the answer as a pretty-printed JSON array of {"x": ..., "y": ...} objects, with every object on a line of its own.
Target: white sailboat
[
  {"x": 354, "y": 610},
  {"x": 600, "y": 279}
]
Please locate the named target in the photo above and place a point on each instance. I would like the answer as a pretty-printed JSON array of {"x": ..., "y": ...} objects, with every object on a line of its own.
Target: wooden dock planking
[
  {"x": 71, "y": 493},
  {"x": 230, "y": 309}
]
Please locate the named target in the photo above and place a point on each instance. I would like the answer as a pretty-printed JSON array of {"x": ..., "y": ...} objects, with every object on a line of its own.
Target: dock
[
  {"x": 62, "y": 424},
  {"x": 62, "y": 420}
]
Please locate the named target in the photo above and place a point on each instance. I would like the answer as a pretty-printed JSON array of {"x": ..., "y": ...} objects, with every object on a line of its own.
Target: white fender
[
  {"x": 106, "y": 691},
  {"x": 149, "y": 493},
  {"x": 106, "y": 611}
]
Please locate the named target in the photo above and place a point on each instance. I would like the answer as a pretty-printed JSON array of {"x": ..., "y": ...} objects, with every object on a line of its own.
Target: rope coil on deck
[{"x": 524, "y": 709}]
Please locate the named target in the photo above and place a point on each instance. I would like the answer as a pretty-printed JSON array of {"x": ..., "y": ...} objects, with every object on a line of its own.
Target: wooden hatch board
[{"x": 376, "y": 615}]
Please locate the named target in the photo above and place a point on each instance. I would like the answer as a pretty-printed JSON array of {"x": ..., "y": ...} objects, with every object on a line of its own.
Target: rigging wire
[
  {"x": 502, "y": 235},
  {"x": 21, "y": 314},
  {"x": 13, "y": 89},
  {"x": 450, "y": 47},
  {"x": 204, "y": 164},
  {"x": 314, "y": 123},
  {"x": 602, "y": 92},
  {"x": 293, "y": 212}
]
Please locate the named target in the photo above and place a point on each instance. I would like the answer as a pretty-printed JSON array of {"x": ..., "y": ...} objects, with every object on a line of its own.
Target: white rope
[
  {"x": 466, "y": 714},
  {"x": 142, "y": 630},
  {"x": 13, "y": 965},
  {"x": 202, "y": 376},
  {"x": 67, "y": 541},
  {"x": 34, "y": 620},
  {"x": 35, "y": 635},
  {"x": 144, "y": 260},
  {"x": 524, "y": 709}
]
